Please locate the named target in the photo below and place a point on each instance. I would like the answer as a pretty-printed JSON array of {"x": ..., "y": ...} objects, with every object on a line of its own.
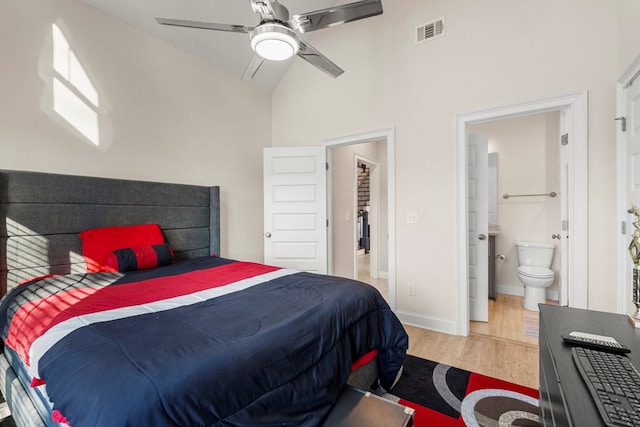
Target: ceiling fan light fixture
[{"x": 274, "y": 42}]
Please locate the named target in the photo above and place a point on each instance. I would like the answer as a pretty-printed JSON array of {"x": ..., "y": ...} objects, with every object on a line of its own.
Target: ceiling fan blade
[
  {"x": 253, "y": 67},
  {"x": 336, "y": 15},
  {"x": 204, "y": 25},
  {"x": 315, "y": 58}
]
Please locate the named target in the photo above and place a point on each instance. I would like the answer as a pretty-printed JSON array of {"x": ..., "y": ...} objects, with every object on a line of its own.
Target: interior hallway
[{"x": 381, "y": 285}]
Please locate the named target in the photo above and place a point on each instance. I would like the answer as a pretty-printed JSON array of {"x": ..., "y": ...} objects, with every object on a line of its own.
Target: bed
[{"x": 202, "y": 340}]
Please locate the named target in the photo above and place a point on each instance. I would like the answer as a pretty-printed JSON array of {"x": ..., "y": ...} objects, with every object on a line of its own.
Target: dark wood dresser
[{"x": 564, "y": 397}]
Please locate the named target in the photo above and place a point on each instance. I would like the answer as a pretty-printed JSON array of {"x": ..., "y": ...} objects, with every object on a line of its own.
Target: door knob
[
  {"x": 267, "y": 234},
  {"x": 555, "y": 236},
  {"x": 482, "y": 237}
]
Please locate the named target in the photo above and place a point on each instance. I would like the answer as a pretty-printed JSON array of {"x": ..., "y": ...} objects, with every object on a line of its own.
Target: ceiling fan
[{"x": 276, "y": 36}]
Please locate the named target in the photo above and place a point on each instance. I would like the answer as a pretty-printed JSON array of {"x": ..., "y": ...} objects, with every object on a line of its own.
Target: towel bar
[{"x": 552, "y": 194}]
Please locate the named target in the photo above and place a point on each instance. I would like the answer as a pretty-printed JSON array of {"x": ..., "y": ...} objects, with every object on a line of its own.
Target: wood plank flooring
[
  {"x": 508, "y": 321},
  {"x": 499, "y": 348}
]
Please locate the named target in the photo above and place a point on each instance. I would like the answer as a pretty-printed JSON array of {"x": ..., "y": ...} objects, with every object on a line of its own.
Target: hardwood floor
[
  {"x": 363, "y": 275},
  {"x": 507, "y": 360},
  {"x": 498, "y": 349},
  {"x": 508, "y": 320}
]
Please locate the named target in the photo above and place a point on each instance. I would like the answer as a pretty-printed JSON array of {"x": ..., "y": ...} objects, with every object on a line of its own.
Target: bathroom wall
[{"x": 528, "y": 152}]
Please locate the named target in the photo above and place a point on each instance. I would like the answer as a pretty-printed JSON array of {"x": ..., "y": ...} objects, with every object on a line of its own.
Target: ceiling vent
[{"x": 430, "y": 31}]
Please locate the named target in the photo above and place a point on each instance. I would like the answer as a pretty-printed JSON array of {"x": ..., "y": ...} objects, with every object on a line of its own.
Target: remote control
[{"x": 598, "y": 342}]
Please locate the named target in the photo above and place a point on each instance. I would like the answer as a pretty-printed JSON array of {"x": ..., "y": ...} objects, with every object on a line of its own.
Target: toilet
[{"x": 534, "y": 271}]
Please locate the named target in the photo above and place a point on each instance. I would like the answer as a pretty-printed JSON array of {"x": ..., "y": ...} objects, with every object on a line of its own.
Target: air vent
[{"x": 430, "y": 31}]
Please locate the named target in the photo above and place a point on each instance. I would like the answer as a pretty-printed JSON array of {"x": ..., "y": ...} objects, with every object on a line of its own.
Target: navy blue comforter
[{"x": 205, "y": 342}]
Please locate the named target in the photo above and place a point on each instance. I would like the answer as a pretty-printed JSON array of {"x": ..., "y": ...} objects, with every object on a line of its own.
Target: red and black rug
[{"x": 444, "y": 396}]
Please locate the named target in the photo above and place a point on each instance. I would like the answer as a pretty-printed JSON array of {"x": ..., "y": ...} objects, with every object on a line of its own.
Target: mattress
[{"x": 37, "y": 395}]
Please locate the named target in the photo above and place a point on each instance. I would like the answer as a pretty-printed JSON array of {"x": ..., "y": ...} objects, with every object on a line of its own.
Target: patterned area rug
[{"x": 444, "y": 396}]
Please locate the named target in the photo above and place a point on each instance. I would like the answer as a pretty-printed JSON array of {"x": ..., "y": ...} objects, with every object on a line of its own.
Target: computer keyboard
[{"x": 614, "y": 384}]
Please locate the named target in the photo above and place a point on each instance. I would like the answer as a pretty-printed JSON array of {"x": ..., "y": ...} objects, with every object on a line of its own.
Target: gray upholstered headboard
[{"x": 42, "y": 214}]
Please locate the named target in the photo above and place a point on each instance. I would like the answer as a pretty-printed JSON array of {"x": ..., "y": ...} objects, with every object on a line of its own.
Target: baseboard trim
[
  {"x": 446, "y": 326},
  {"x": 449, "y": 326},
  {"x": 518, "y": 290},
  {"x": 510, "y": 290}
]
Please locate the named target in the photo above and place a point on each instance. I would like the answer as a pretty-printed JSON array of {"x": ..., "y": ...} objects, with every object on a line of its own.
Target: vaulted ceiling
[{"x": 228, "y": 51}]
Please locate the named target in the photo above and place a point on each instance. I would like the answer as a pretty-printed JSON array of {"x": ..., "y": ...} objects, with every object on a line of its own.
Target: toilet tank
[{"x": 537, "y": 254}]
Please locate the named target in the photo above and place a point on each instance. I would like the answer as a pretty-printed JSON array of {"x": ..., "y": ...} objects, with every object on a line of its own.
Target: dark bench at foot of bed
[{"x": 356, "y": 408}]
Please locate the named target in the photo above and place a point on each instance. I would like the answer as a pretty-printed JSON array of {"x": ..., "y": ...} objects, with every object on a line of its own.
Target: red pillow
[
  {"x": 98, "y": 243},
  {"x": 140, "y": 258}
]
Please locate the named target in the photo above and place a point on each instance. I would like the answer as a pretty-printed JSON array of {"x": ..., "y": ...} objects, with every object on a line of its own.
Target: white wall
[
  {"x": 629, "y": 33},
  {"x": 164, "y": 115},
  {"x": 169, "y": 117},
  {"x": 529, "y": 155},
  {"x": 495, "y": 53}
]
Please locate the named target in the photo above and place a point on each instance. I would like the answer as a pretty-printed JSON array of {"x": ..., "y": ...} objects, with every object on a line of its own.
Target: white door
[
  {"x": 295, "y": 214},
  {"x": 478, "y": 217},
  {"x": 632, "y": 133},
  {"x": 563, "y": 229}
]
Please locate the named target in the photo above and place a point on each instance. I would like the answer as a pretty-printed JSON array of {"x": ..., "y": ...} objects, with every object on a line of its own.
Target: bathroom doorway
[
  {"x": 573, "y": 113},
  {"x": 526, "y": 152},
  {"x": 522, "y": 184}
]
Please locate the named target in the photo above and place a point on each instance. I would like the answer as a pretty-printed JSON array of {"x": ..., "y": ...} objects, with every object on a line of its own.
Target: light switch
[{"x": 412, "y": 217}]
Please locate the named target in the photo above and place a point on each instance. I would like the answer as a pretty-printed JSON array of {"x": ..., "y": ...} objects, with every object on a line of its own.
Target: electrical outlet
[
  {"x": 412, "y": 217},
  {"x": 411, "y": 289}
]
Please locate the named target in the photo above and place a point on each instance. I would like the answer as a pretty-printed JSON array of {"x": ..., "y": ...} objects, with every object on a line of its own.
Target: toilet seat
[{"x": 536, "y": 272}]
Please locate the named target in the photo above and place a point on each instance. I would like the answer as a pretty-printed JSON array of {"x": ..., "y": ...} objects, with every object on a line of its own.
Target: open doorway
[
  {"x": 522, "y": 199},
  {"x": 370, "y": 213},
  {"x": 360, "y": 213},
  {"x": 628, "y": 148},
  {"x": 359, "y": 216},
  {"x": 574, "y": 122},
  {"x": 348, "y": 232}
]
